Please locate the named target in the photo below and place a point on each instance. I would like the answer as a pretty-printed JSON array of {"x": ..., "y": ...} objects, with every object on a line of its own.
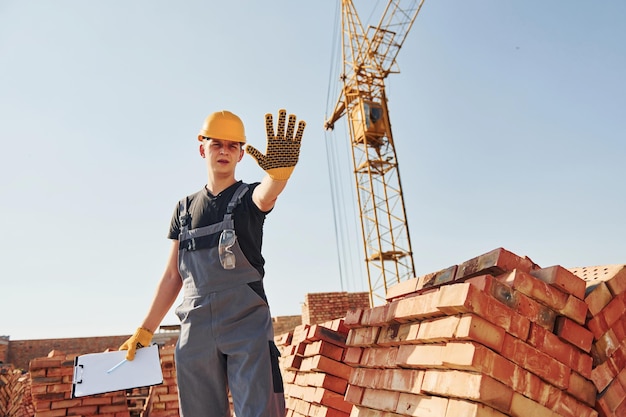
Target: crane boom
[{"x": 368, "y": 58}]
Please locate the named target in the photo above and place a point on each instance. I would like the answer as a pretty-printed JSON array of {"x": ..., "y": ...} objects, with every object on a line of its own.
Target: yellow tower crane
[{"x": 368, "y": 58}]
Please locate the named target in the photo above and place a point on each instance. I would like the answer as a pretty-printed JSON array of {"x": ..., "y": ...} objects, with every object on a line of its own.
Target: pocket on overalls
[{"x": 183, "y": 310}]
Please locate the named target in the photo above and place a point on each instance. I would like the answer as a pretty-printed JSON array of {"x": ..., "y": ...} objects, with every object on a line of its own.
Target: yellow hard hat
[{"x": 223, "y": 125}]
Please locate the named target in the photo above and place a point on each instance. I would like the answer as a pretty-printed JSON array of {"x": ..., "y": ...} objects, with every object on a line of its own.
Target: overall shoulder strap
[
  {"x": 183, "y": 213},
  {"x": 236, "y": 199}
]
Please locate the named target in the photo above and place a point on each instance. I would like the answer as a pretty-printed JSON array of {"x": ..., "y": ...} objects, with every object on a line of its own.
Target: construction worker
[{"x": 226, "y": 339}]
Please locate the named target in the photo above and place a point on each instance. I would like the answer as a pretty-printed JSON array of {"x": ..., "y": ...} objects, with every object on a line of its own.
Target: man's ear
[
  {"x": 202, "y": 150},
  {"x": 241, "y": 153}
]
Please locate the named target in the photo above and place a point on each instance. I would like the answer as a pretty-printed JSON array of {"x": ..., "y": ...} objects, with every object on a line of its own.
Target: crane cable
[{"x": 349, "y": 275}]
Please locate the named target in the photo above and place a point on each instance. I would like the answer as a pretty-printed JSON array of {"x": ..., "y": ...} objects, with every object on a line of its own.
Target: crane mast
[{"x": 368, "y": 58}]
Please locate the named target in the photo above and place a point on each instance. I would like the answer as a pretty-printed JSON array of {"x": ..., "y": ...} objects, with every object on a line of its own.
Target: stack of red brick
[
  {"x": 315, "y": 377},
  {"x": 606, "y": 298},
  {"x": 494, "y": 336}
]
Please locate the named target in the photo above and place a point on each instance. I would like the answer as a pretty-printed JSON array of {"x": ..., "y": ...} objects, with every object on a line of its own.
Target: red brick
[
  {"x": 567, "y": 406},
  {"x": 445, "y": 276},
  {"x": 574, "y": 333},
  {"x": 324, "y": 348},
  {"x": 291, "y": 362},
  {"x": 604, "y": 348},
  {"x": 582, "y": 389},
  {"x": 319, "y": 332},
  {"x": 475, "y": 357},
  {"x": 522, "y": 407},
  {"x": 92, "y": 409},
  {"x": 402, "y": 380},
  {"x": 563, "y": 279},
  {"x": 602, "y": 375},
  {"x": 111, "y": 409},
  {"x": 597, "y": 326},
  {"x": 329, "y": 366},
  {"x": 470, "y": 386},
  {"x": 330, "y": 382},
  {"x": 415, "y": 308},
  {"x": 380, "y": 399},
  {"x": 352, "y": 355},
  {"x": 96, "y": 400},
  {"x": 363, "y": 336},
  {"x": 421, "y": 405},
  {"x": 375, "y": 316},
  {"x": 67, "y": 403},
  {"x": 41, "y": 363},
  {"x": 436, "y": 330},
  {"x": 396, "y": 334},
  {"x": 339, "y": 326},
  {"x": 331, "y": 399},
  {"x": 466, "y": 298},
  {"x": 52, "y": 413},
  {"x": 536, "y": 361},
  {"x": 475, "y": 328},
  {"x": 614, "y": 311},
  {"x": 402, "y": 289},
  {"x": 494, "y": 262},
  {"x": 598, "y": 298},
  {"x": 575, "y": 309},
  {"x": 365, "y": 377},
  {"x": 353, "y": 318},
  {"x": 420, "y": 356},
  {"x": 383, "y": 357}
]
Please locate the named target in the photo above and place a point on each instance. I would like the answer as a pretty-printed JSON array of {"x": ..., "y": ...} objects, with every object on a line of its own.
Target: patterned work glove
[
  {"x": 141, "y": 338},
  {"x": 283, "y": 149}
]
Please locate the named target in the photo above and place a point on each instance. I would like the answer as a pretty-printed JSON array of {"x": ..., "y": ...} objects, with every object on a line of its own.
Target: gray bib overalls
[{"x": 226, "y": 338}]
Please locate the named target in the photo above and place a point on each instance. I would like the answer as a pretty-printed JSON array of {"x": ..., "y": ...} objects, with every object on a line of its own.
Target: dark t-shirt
[{"x": 206, "y": 209}]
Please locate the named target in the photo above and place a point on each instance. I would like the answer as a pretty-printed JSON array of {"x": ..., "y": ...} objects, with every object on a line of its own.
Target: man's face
[{"x": 221, "y": 154}]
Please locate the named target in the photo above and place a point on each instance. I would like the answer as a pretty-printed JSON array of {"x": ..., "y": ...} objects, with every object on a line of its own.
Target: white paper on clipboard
[{"x": 93, "y": 373}]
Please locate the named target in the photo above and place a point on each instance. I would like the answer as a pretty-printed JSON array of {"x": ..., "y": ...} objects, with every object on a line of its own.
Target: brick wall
[
  {"x": 323, "y": 307},
  {"x": 285, "y": 324}
]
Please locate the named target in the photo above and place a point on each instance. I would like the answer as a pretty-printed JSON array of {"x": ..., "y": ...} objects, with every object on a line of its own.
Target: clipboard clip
[{"x": 78, "y": 370}]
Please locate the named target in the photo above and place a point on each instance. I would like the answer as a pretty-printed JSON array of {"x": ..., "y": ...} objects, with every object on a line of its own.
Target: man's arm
[{"x": 266, "y": 193}]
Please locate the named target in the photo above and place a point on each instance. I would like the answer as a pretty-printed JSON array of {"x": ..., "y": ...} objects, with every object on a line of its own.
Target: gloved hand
[
  {"x": 283, "y": 148},
  {"x": 141, "y": 338}
]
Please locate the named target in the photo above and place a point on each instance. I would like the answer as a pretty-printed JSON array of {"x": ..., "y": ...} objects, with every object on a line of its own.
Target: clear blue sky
[{"x": 509, "y": 120}]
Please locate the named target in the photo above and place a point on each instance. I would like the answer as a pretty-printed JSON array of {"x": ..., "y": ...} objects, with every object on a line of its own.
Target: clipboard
[{"x": 98, "y": 373}]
